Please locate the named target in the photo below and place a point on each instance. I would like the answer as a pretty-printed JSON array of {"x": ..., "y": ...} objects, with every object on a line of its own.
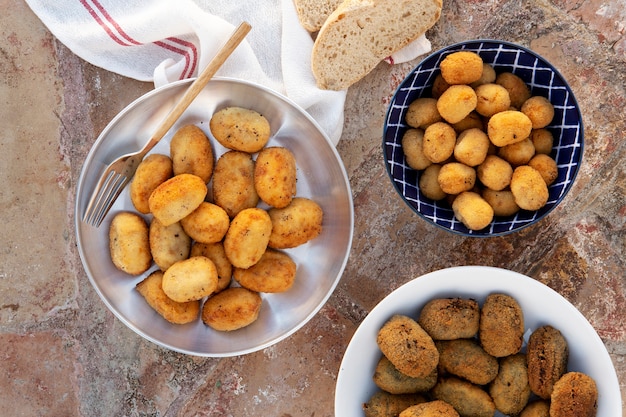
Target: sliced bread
[
  {"x": 359, "y": 34},
  {"x": 313, "y": 13}
]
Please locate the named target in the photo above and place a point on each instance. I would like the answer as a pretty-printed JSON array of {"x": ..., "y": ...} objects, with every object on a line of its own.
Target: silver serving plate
[{"x": 320, "y": 176}]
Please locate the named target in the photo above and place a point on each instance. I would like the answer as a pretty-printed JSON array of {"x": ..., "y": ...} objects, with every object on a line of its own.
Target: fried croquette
[
  {"x": 207, "y": 224},
  {"x": 422, "y": 112},
  {"x": 438, "y": 142},
  {"x": 439, "y": 86},
  {"x": 455, "y": 178},
  {"x": 471, "y": 147},
  {"x": 384, "y": 404},
  {"x": 502, "y": 202},
  {"x": 461, "y": 67},
  {"x": 413, "y": 148},
  {"x": 472, "y": 210},
  {"x": 501, "y": 330},
  {"x": 240, "y": 129},
  {"x": 546, "y": 166},
  {"x": 529, "y": 188},
  {"x": 429, "y": 183},
  {"x": 539, "y": 110},
  {"x": 191, "y": 153},
  {"x": 190, "y": 279},
  {"x": 508, "y": 127},
  {"x": 275, "y": 272},
  {"x": 547, "y": 353},
  {"x": 275, "y": 176},
  {"x": 466, "y": 359},
  {"x": 129, "y": 244},
  {"x": 574, "y": 395},
  {"x": 175, "y": 198},
  {"x": 247, "y": 237},
  {"x": 488, "y": 76},
  {"x": 233, "y": 182},
  {"x": 471, "y": 121},
  {"x": 409, "y": 348},
  {"x": 216, "y": 253},
  {"x": 152, "y": 171},
  {"x": 435, "y": 408},
  {"x": 456, "y": 103},
  {"x": 491, "y": 99},
  {"x": 168, "y": 244},
  {"x": 518, "y": 153},
  {"x": 178, "y": 313},
  {"x": 389, "y": 379},
  {"x": 450, "y": 318},
  {"x": 538, "y": 408},
  {"x": 517, "y": 88},
  {"x": 543, "y": 141},
  {"x": 467, "y": 399},
  {"x": 509, "y": 390},
  {"x": 296, "y": 224},
  {"x": 231, "y": 309},
  {"x": 495, "y": 173}
]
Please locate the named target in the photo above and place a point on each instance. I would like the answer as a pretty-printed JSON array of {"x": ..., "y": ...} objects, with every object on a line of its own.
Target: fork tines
[{"x": 109, "y": 188}]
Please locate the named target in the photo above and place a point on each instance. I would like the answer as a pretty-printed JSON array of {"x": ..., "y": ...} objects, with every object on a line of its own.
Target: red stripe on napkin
[{"x": 118, "y": 35}]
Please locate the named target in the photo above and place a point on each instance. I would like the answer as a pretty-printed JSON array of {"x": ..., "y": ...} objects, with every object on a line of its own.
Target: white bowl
[
  {"x": 320, "y": 176},
  {"x": 540, "y": 304}
]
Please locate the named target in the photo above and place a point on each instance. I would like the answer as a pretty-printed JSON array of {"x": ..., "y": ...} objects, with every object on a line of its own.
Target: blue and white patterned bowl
[{"x": 541, "y": 77}]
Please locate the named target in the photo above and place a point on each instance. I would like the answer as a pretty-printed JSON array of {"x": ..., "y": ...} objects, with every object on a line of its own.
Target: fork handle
[{"x": 194, "y": 89}]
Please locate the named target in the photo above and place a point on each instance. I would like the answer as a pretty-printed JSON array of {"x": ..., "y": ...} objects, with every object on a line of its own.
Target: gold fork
[{"x": 120, "y": 172}]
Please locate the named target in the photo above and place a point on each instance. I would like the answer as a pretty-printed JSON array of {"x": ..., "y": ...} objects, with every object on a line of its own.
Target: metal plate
[{"x": 320, "y": 176}]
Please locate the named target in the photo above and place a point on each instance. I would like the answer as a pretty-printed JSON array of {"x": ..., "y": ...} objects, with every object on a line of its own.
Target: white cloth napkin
[{"x": 168, "y": 40}]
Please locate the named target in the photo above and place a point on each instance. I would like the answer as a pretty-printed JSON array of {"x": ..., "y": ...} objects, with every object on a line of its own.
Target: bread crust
[{"x": 359, "y": 34}]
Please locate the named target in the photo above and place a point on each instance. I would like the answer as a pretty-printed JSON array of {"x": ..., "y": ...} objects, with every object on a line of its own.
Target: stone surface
[{"x": 65, "y": 354}]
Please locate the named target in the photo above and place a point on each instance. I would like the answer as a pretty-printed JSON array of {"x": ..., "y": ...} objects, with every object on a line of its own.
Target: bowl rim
[{"x": 461, "y": 46}]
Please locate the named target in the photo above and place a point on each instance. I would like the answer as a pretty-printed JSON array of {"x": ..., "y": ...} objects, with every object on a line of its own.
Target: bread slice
[
  {"x": 359, "y": 34},
  {"x": 313, "y": 13}
]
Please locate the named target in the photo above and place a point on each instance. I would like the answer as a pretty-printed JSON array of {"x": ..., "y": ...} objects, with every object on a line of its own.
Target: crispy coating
[
  {"x": 509, "y": 390},
  {"x": 456, "y": 103},
  {"x": 467, "y": 399},
  {"x": 231, "y": 309},
  {"x": 216, "y": 253},
  {"x": 495, "y": 173},
  {"x": 466, "y": 359},
  {"x": 275, "y": 272},
  {"x": 233, "y": 182},
  {"x": 435, "y": 408},
  {"x": 275, "y": 176},
  {"x": 529, "y": 188},
  {"x": 508, "y": 127},
  {"x": 168, "y": 244},
  {"x": 547, "y": 353},
  {"x": 462, "y": 67},
  {"x": 546, "y": 166},
  {"x": 409, "y": 348},
  {"x": 438, "y": 142},
  {"x": 539, "y": 110},
  {"x": 471, "y": 121},
  {"x": 455, "y": 177},
  {"x": 488, "y": 76},
  {"x": 413, "y": 148},
  {"x": 450, "y": 318},
  {"x": 240, "y": 129},
  {"x": 518, "y": 153},
  {"x": 574, "y": 395},
  {"x": 207, "y": 224},
  {"x": 422, "y": 112},
  {"x": 177, "y": 197},
  {"x": 389, "y": 379},
  {"x": 492, "y": 98},
  {"x": 429, "y": 183},
  {"x": 517, "y": 88},
  {"x": 152, "y": 171},
  {"x": 191, "y": 153},
  {"x": 384, "y": 404},
  {"x": 538, "y": 408},
  {"x": 471, "y": 147},
  {"x": 542, "y": 141},
  {"x": 472, "y": 210},
  {"x": 439, "y": 86},
  {"x": 190, "y": 279},
  {"x": 129, "y": 244},
  {"x": 178, "y": 313},
  {"x": 247, "y": 237},
  {"x": 501, "y": 330},
  {"x": 296, "y": 224},
  {"x": 502, "y": 202}
]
